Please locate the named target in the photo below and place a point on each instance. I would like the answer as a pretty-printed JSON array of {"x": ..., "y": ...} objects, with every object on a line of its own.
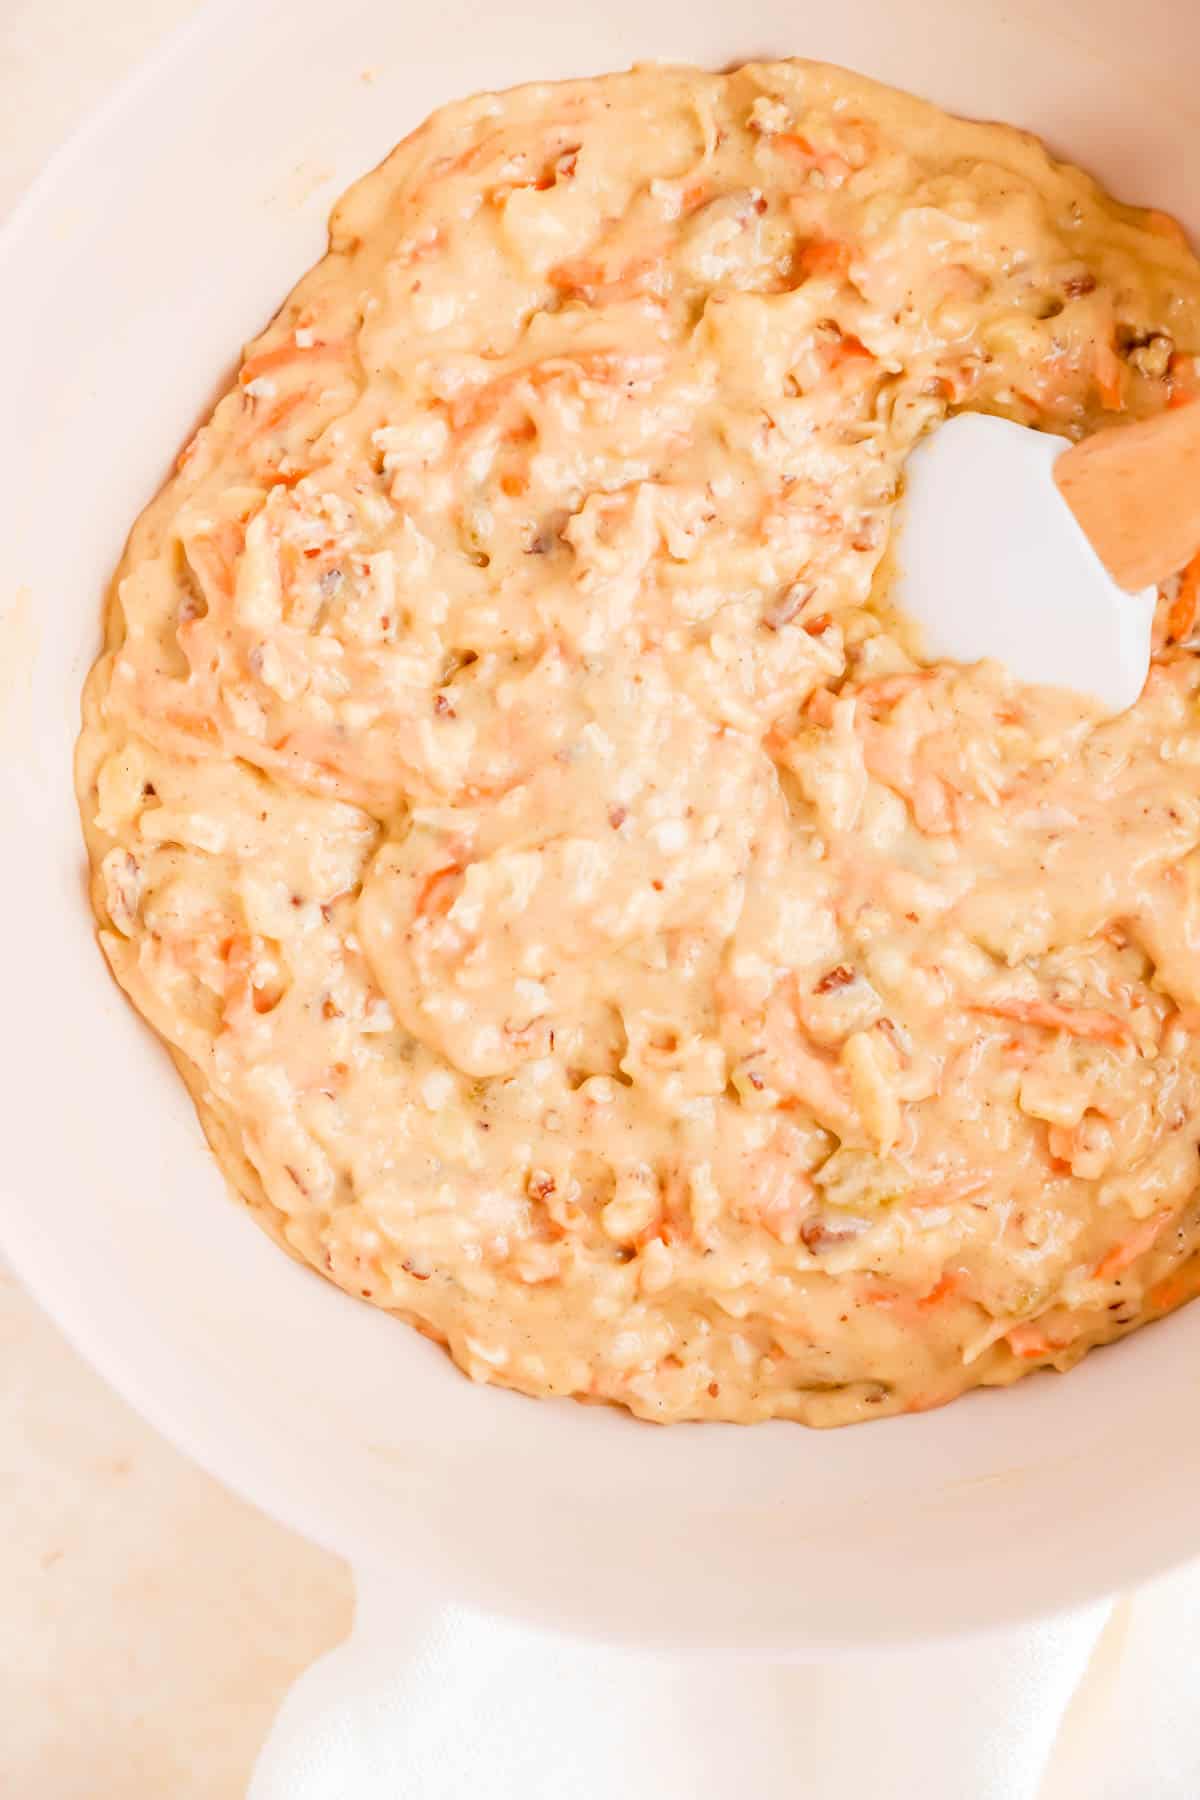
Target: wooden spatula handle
[{"x": 1135, "y": 490}]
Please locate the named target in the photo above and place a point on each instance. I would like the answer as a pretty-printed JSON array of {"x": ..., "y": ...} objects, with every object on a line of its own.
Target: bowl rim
[{"x": 197, "y": 1431}]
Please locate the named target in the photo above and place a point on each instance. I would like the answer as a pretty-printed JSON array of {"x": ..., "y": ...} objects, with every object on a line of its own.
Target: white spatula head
[{"x": 993, "y": 565}]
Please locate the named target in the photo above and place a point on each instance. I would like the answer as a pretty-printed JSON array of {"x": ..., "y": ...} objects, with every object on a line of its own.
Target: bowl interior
[{"x": 156, "y": 243}]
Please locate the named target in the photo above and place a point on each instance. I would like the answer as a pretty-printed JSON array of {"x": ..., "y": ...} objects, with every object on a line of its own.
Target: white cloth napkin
[{"x": 440, "y": 1703}]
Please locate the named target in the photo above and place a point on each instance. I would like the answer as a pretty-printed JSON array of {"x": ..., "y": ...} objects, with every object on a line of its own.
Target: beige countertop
[{"x": 151, "y": 1622}]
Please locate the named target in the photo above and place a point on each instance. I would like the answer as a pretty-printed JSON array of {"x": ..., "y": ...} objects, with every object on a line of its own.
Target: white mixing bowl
[{"x": 158, "y": 241}]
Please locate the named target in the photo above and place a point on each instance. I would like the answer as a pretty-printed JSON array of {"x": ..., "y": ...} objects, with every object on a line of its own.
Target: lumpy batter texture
[{"x": 588, "y": 927}]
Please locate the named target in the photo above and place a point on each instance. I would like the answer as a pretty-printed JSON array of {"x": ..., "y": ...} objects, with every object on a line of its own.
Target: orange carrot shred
[
  {"x": 1110, "y": 374},
  {"x": 282, "y": 355},
  {"x": 1182, "y": 616},
  {"x": 823, "y": 256},
  {"x": 947, "y": 1286},
  {"x": 1172, "y": 1291},
  {"x": 436, "y": 895},
  {"x": 1079, "y": 1021},
  {"x": 1129, "y": 1249},
  {"x": 1030, "y": 1341}
]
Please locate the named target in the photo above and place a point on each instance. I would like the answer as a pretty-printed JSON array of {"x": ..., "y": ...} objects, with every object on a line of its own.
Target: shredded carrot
[
  {"x": 1182, "y": 377},
  {"x": 261, "y": 427},
  {"x": 1055, "y": 377},
  {"x": 213, "y": 558},
  {"x": 1110, "y": 373},
  {"x": 956, "y": 383},
  {"x": 793, "y": 141},
  {"x": 1078, "y": 1021},
  {"x": 286, "y": 478},
  {"x": 885, "y": 690},
  {"x": 819, "y": 706},
  {"x": 437, "y": 892},
  {"x": 266, "y": 422},
  {"x": 283, "y": 354},
  {"x": 946, "y": 1193},
  {"x": 874, "y": 1291},
  {"x": 1173, "y": 1291},
  {"x": 946, "y": 1287},
  {"x": 1186, "y": 603},
  {"x": 816, "y": 1085},
  {"x": 1030, "y": 1341},
  {"x": 1129, "y": 1249},
  {"x": 538, "y": 184},
  {"x": 593, "y": 281},
  {"x": 470, "y": 158},
  {"x": 242, "y": 990},
  {"x": 848, "y": 349},
  {"x": 835, "y": 168},
  {"x": 192, "y": 725},
  {"x": 823, "y": 256},
  {"x": 482, "y": 404},
  {"x": 419, "y": 249}
]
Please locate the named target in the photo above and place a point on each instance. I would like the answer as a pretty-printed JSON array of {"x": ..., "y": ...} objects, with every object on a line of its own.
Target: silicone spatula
[{"x": 1045, "y": 555}]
